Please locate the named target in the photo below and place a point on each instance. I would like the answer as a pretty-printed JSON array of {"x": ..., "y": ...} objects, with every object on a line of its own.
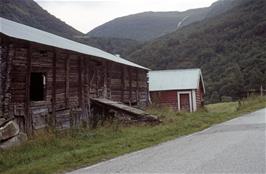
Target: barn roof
[
  {"x": 179, "y": 79},
  {"x": 20, "y": 31}
]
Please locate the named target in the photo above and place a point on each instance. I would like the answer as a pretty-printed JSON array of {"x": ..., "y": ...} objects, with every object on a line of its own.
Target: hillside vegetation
[
  {"x": 30, "y": 13},
  {"x": 113, "y": 45},
  {"x": 148, "y": 25},
  {"x": 230, "y": 49},
  {"x": 144, "y": 27}
]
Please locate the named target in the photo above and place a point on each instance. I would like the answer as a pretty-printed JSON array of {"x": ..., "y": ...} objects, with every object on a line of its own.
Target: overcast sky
[{"x": 84, "y": 15}]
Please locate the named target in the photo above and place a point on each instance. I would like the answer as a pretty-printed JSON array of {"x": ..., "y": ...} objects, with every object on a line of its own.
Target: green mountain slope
[
  {"x": 30, "y": 13},
  {"x": 148, "y": 25},
  {"x": 230, "y": 49},
  {"x": 119, "y": 46}
]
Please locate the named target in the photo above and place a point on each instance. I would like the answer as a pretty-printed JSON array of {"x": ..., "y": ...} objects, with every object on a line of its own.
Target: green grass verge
[{"x": 55, "y": 153}]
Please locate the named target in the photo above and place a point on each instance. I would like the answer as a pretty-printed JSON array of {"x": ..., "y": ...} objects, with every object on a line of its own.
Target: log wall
[
  {"x": 7, "y": 54},
  {"x": 165, "y": 98},
  {"x": 200, "y": 96},
  {"x": 70, "y": 80}
]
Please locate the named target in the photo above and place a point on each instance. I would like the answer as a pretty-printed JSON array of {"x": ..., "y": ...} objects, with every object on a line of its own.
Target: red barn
[{"x": 181, "y": 89}]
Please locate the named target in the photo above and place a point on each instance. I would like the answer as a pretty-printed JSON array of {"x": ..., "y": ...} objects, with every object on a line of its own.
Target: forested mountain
[
  {"x": 143, "y": 27},
  {"x": 148, "y": 25},
  {"x": 230, "y": 48},
  {"x": 122, "y": 47},
  {"x": 30, "y": 13}
]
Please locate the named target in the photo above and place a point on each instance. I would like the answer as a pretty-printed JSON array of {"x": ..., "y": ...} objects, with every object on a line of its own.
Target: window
[{"x": 37, "y": 87}]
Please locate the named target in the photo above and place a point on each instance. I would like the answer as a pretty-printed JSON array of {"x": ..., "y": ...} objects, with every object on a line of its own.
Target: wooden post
[
  {"x": 122, "y": 83},
  {"x": 6, "y": 77},
  {"x": 147, "y": 89},
  {"x": 108, "y": 86},
  {"x": 28, "y": 116},
  {"x": 97, "y": 80},
  {"x": 130, "y": 85},
  {"x": 80, "y": 82},
  {"x": 90, "y": 79},
  {"x": 53, "y": 118},
  {"x": 84, "y": 111},
  {"x": 85, "y": 81},
  {"x": 105, "y": 95},
  {"x": 261, "y": 90},
  {"x": 2, "y": 65},
  {"x": 67, "y": 81},
  {"x": 86, "y": 92},
  {"x": 137, "y": 88}
]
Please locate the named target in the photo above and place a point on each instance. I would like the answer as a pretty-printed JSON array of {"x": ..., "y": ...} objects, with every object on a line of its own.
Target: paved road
[{"x": 236, "y": 146}]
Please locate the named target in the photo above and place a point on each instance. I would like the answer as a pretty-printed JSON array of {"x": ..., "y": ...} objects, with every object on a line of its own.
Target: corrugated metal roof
[
  {"x": 20, "y": 31},
  {"x": 179, "y": 79}
]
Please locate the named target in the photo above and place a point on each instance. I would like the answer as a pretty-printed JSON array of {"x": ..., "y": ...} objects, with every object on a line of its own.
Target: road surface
[{"x": 235, "y": 146}]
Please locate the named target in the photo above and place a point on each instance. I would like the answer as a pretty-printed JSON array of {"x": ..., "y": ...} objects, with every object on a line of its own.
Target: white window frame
[{"x": 190, "y": 102}]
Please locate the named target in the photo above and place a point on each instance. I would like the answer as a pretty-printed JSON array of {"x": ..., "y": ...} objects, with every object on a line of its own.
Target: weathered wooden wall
[
  {"x": 2, "y": 67},
  {"x": 71, "y": 79},
  {"x": 200, "y": 96},
  {"x": 165, "y": 98},
  {"x": 6, "y": 53},
  {"x": 169, "y": 98}
]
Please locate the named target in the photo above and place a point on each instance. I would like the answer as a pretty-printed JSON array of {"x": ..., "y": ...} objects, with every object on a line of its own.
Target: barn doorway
[
  {"x": 184, "y": 101},
  {"x": 37, "y": 87}
]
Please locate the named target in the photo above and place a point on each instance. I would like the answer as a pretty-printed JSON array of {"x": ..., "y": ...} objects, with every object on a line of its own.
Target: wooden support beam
[
  {"x": 130, "y": 85},
  {"x": 105, "y": 78},
  {"x": 137, "y": 88},
  {"x": 53, "y": 118},
  {"x": 147, "y": 89},
  {"x": 67, "y": 81},
  {"x": 2, "y": 64},
  {"x": 86, "y": 91},
  {"x": 86, "y": 81},
  {"x": 28, "y": 115},
  {"x": 3, "y": 75},
  {"x": 82, "y": 89},
  {"x": 122, "y": 83},
  {"x": 97, "y": 80},
  {"x": 108, "y": 79},
  {"x": 80, "y": 82}
]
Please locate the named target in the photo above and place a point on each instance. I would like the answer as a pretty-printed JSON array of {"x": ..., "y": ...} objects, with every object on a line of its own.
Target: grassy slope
[{"x": 57, "y": 153}]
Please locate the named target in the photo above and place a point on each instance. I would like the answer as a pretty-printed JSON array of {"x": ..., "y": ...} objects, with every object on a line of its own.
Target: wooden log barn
[
  {"x": 47, "y": 79},
  {"x": 181, "y": 89}
]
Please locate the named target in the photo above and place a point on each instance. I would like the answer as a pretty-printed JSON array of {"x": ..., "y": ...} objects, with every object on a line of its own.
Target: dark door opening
[{"x": 37, "y": 87}]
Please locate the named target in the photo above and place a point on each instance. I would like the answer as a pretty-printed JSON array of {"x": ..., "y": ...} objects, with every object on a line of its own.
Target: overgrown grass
[{"x": 59, "y": 152}]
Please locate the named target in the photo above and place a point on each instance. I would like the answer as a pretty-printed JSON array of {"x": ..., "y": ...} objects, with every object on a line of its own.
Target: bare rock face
[
  {"x": 14, "y": 141},
  {"x": 9, "y": 130}
]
